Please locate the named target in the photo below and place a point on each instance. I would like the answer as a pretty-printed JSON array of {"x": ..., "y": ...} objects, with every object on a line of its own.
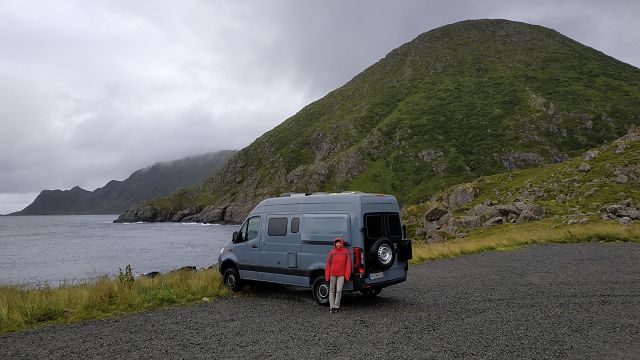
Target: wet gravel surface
[{"x": 543, "y": 301}]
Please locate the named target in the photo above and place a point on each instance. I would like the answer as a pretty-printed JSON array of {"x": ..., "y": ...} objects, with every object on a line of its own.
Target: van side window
[
  {"x": 395, "y": 228},
  {"x": 277, "y": 226},
  {"x": 253, "y": 227},
  {"x": 374, "y": 226},
  {"x": 295, "y": 225}
]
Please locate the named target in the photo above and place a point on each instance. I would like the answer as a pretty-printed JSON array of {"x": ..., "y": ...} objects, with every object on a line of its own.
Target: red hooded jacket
[{"x": 338, "y": 262}]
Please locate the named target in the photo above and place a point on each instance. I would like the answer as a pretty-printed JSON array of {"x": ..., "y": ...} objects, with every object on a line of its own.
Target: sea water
[{"x": 35, "y": 250}]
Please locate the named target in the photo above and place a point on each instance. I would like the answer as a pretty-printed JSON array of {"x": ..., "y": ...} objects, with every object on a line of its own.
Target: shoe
[
  {"x": 336, "y": 310},
  {"x": 332, "y": 311}
]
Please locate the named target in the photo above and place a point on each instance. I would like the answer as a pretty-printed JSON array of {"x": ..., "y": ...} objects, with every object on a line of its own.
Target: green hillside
[
  {"x": 603, "y": 184},
  {"x": 465, "y": 100}
]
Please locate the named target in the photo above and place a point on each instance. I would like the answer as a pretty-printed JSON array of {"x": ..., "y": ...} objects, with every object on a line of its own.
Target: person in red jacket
[{"x": 336, "y": 270}]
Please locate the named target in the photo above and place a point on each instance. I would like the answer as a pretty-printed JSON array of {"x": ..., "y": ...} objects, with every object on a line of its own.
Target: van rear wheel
[
  {"x": 231, "y": 279},
  {"x": 321, "y": 291}
]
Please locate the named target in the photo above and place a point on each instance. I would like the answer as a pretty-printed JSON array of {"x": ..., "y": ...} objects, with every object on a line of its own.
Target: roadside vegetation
[
  {"x": 24, "y": 307},
  {"x": 510, "y": 236}
]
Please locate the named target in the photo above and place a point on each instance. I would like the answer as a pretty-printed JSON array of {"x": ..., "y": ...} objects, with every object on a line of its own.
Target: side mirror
[
  {"x": 236, "y": 237},
  {"x": 404, "y": 232}
]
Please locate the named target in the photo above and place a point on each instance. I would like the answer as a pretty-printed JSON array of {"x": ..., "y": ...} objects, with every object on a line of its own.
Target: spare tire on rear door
[{"x": 382, "y": 254}]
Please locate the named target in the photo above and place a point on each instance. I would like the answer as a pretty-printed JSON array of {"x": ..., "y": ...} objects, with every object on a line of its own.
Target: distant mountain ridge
[
  {"x": 469, "y": 99},
  {"x": 159, "y": 179}
]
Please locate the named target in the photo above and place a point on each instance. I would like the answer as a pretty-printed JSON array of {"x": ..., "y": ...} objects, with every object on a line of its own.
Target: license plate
[{"x": 376, "y": 275}]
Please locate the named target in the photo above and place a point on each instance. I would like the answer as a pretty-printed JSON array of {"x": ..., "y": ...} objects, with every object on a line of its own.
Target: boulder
[
  {"x": 613, "y": 209},
  {"x": 434, "y": 211},
  {"x": 429, "y": 225},
  {"x": 584, "y": 167},
  {"x": 505, "y": 210},
  {"x": 494, "y": 221},
  {"x": 484, "y": 211},
  {"x": 590, "y": 154},
  {"x": 536, "y": 210},
  {"x": 444, "y": 219},
  {"x": 526, "y": 216},
  {"x": 631, "y": 213},
  {"x": 625, "y": 220},
  {"x": 461, "y": 195},
  {"x": 436, "y": 237},
  {"x": 151, "y": 274},
  {"x": 464, "y": 222},
  {"x": 621, "y": 178}
]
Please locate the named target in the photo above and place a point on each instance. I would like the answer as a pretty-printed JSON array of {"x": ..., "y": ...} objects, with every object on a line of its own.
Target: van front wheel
[
  {"x": 321, "y": 291},
  {"x": 231, "y": 279}
]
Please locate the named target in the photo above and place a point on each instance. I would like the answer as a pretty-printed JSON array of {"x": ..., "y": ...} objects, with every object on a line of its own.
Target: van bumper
[{"x": 361, "y": 282}]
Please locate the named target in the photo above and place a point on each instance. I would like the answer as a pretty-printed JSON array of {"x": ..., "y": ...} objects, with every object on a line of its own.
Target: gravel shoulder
[{"x": 542, "y": 301}]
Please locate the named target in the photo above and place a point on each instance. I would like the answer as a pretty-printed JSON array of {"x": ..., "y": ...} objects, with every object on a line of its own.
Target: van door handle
[{"x": 254, "y": 246}]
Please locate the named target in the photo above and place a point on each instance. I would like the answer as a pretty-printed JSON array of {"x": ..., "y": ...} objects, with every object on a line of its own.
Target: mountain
[
  {"x": 473, "y": 98},
  {"x": 159, "y": 179}
]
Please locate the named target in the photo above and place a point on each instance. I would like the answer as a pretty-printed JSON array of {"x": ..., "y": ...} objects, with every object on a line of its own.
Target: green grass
[
  {"x": 511, "y": 236},
  {"x": 22, "y": 307}
]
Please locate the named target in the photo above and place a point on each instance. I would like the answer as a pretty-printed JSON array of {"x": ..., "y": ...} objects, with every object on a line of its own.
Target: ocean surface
[{"x": 35, "y": 250}]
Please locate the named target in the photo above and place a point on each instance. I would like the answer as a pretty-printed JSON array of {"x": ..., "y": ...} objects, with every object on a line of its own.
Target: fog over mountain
[{"x": 92, "y": 91}]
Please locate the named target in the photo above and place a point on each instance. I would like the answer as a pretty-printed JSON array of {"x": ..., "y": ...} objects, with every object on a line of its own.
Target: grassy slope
[
  {"x": 561, "y": 189},
  {"x": 476, "y": 91},
  {"x": 22, "y": 308}
]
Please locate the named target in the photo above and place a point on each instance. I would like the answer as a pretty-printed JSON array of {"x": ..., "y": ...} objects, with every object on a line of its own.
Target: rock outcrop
[{"x": 440, "y": 220}]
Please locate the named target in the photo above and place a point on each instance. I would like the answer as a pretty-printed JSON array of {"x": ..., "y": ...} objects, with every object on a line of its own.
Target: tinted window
[
  {"x": 374, "y": 226},
  {"x": 277, "y": 226},
  {"x": 295, "y": 225},
  {"x": 325, "y": 227},
  {"x": 253, "y": 226},
  {"x": 395, "y": 228}
]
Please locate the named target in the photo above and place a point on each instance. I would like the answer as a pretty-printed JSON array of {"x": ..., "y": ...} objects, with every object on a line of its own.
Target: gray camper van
[{"x": 286, "y": 240}]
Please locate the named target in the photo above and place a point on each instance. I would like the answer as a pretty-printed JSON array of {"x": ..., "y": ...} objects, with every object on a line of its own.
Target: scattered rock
[
  {"x": 584, "y": 167},
  {"x": 583, "y": 221},
  {"x": 621, "y": 178},
  {"x": 590, "y": 154},
  {"x": 619, "y": 147},
  {"x": 206, "y": 299},
  {"x": 430, "y": 154}
]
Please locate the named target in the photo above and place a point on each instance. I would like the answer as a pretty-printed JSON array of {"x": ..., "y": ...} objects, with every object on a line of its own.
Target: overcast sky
[{"x": 93, "y": 90}]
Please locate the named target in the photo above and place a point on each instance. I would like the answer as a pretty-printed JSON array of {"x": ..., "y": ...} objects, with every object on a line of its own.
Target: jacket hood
[{"x": 338, "y": 240}]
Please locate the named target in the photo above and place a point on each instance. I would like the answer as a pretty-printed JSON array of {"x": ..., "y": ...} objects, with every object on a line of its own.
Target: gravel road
[{"x": 543, "y": 301}]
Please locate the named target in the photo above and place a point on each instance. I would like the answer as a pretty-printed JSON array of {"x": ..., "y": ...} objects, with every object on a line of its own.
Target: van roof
[{"x": 329, "y": 198}]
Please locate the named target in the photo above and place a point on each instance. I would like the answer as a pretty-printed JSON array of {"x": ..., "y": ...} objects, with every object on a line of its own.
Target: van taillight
[{"x": 357, "y": 260}]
